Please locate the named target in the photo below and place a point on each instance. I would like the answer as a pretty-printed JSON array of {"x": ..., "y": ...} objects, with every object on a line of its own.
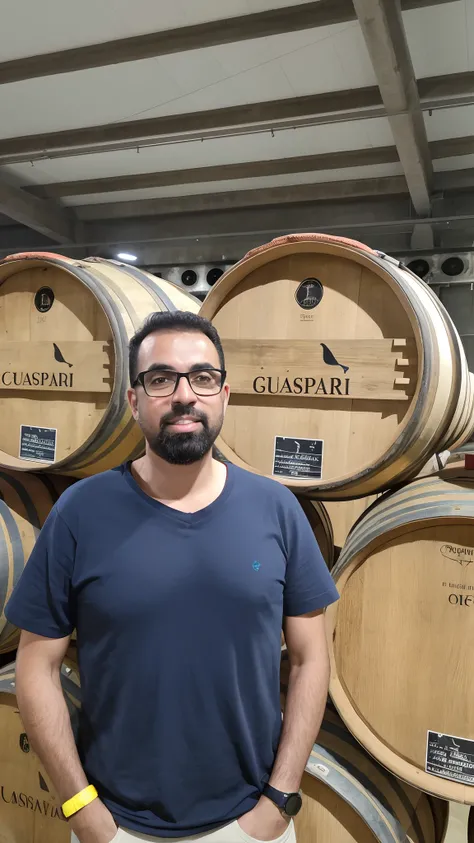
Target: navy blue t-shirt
[{"x": 178, "y": 619}]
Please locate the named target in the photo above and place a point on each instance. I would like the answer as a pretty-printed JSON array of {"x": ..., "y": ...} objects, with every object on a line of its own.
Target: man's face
[{"x": 180, "y": 428}]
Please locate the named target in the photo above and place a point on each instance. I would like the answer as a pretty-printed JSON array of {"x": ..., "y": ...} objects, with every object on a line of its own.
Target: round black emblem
[
  {"x": 44, "y": 299},
  {"x": 309, "y": 293},
  {"x": 24, "y": 742}
]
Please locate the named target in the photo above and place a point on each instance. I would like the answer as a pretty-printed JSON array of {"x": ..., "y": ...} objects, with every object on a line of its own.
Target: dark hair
[{"x": 177, "y": 320}]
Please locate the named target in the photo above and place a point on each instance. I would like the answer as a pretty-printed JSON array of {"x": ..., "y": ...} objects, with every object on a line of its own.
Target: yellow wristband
[{"x": 80, "y": 800}]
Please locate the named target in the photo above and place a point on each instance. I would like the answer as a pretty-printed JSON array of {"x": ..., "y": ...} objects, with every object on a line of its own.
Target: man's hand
[
  {"x": 94, "y": 824},
  {"x": 265, "y": 821}
]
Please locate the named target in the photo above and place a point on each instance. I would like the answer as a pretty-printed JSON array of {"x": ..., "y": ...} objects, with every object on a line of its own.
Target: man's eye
[{"x": 160, "y": 380}]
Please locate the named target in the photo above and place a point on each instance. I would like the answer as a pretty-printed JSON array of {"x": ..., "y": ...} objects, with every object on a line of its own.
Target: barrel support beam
[
  {"x": 382, "y": 26},
  {"x": 41, "y": 215}
]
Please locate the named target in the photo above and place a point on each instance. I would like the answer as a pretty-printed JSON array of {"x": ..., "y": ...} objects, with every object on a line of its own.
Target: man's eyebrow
[
  {"x": 164, "y": 366},
  {"x": 196, "y": 367}
]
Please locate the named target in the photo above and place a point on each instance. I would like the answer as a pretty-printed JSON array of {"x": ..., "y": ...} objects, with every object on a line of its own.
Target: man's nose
[{"x": 184, "y": 394}]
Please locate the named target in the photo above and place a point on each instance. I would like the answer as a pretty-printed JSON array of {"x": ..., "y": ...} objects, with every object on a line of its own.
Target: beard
[{"x": 187, "y": 447}]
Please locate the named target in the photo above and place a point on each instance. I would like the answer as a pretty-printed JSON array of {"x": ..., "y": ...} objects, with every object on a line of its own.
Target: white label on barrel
[
  {"x": 38, "y": 444},
  {"x": 298, "y": 458},
  {"x": 450, "y": 757}
]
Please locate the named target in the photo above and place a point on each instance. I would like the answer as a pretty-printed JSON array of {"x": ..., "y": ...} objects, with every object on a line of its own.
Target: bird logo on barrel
[
  {"x": 58, "y": 355},
  {"x": 330, "y": 360}
]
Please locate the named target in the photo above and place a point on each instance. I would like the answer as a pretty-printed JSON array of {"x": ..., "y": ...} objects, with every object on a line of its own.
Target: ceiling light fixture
[{"x": 126, "y": 256}]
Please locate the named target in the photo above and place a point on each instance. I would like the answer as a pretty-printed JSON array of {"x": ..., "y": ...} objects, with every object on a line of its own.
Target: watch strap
[
  {"x": 276, "y": 796},
  {"x": 80, "y": 800}
]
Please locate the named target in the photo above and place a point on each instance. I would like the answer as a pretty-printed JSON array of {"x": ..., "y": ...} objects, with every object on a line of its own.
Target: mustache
[{"x": 184, "y": 410}]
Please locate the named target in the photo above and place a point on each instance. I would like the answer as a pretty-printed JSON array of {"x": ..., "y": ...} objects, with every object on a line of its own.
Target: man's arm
[
  {"x": 306, "y": 697},
  {"x": 46, "y": 719},
  {"x": 308, "y": 684}
]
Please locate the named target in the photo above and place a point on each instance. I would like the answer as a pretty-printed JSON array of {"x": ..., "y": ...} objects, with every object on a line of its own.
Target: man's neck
[{"x": 187, "y": 488}]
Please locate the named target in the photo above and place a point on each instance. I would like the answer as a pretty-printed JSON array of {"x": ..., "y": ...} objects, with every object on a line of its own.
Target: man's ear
[
  {"x": 132, "y": 400},
  {"x": 226, "y": 391}
]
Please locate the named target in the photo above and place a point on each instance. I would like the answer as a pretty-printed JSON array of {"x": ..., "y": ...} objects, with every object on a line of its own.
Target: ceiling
[{"x": 187, "y": 132}]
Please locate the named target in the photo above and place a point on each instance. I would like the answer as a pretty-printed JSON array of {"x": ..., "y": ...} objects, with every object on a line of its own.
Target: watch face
[{"x": 293, "y": 804}]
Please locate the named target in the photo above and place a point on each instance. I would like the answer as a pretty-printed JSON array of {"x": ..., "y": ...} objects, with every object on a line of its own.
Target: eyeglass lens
[{"x": 163, "y": 382}]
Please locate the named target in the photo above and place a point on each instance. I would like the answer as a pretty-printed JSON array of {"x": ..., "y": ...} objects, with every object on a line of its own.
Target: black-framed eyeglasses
[{"x": 160, "y": 383}]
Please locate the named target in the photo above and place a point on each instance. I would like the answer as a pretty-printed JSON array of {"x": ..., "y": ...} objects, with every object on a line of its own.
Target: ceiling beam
[
  {"x": 42, "y": 216},
  {"x": 184, "y": 252},
  {"x": 258, "y": 222},
  {"x": 361, "y": 214},
  {"x": 222, "y": 172},
  {"x": 330, "y": 107},
  {"x": 451, "y": 147},
  {"x": 197, "y": 124},
  {"x": 422, "y": 237},
  {"x": 384, "y": 33},
  {"x": 454, "y": 181},
  {"x": 197, "y": 36},
  {"x": 389, "y": 186},
  {"x": 436, "y": 88},
  {"x": 221, "y": 235}
]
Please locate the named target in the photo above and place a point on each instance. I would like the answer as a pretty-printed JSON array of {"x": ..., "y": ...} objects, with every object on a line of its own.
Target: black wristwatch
[{"x": 289, "y": 803}]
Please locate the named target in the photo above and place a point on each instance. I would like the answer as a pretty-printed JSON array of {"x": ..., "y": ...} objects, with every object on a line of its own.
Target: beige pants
[{"x": 231, "y": 833}]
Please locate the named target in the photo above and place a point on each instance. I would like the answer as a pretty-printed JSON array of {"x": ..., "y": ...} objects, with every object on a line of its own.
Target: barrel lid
[{"x": 333, "y": 363}]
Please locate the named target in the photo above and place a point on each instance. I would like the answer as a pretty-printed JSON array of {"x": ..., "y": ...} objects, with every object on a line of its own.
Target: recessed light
[{"x": 125, "y": 256}]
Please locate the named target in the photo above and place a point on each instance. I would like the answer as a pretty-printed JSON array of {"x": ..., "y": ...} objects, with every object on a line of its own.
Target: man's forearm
[
  {"x": 304, "y": 709},
  {"x": 46, "y": 719}
]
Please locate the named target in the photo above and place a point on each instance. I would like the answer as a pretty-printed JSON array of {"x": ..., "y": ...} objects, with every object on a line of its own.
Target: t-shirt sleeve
[
  {"x": 308, "y": 583},
  {"x": 41, "y": 601}
]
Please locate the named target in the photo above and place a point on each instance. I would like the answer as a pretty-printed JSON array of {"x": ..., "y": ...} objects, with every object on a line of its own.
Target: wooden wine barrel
[
  {"x": 30, "y": 809},
  {"x": 346, "y": 372},
  {"x": 466, "y": 427},
  {"x": 349, "y": 798},
  {"x": 66, "y": 325},
  {"x": 400, "y": 635},
  {"x": 456, "y": 432},
  {"x": 344, "y": 514},
  {"x": 25, "y": 503},
  {"x": 318, "y": 517}
]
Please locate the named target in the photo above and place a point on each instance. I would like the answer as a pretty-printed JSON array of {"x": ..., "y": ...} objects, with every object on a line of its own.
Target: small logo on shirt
[{"x": 256, "y": 566}]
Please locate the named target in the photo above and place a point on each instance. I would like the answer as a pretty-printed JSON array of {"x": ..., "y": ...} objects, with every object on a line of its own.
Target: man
[{"x": 176, "y": 572}]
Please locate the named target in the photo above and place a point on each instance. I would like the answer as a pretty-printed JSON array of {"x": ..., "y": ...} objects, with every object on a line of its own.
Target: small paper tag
[
  {"x": 298, "y": 458},
  {"x": 450, "y": 757},
  {"x": 38, "y": 443}
]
